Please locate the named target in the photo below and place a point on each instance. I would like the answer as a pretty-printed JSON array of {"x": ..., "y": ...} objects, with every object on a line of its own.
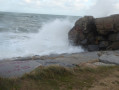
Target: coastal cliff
[{"x": 95, "y": 34}]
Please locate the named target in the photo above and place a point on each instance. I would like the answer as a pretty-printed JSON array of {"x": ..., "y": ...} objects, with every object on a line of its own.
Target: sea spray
[
  {"x": 31, "y": 34},
  {"x": 52, "y": 39}
]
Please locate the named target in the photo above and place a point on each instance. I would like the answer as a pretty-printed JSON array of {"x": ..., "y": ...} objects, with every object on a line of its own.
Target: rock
[
  {"x": 14, "y": 69},
  {"x": 104, "y": 25},
  {"x": 111, "y": 58},
  {"x": 73, "y": 36},
  {"x": 103, "y": 64},
  {"x": 93, "y": 47},
  {"x": 83, "y": 32},
  {"x": 79, "y": 58},
  {"x": 116, "y": 22},
  {"x": 103, "y": 44},
  {"x": 54, "y": 62},
  {"x": 100, "y": 38},
  {"x": 84, "y": 42},
  {"x": 114, "y": 46},
  {"x": 96, "y": 33},
  {"x": 19, "y": 67},
  {"x": 114, "y": 37}
]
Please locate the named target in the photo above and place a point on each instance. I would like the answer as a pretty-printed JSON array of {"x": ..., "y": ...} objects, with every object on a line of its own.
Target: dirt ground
[{"x": 111, "y": 82}]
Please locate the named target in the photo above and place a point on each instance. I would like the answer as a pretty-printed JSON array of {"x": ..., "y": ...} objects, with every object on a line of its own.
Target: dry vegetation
[{"x": 60, "y": 78}]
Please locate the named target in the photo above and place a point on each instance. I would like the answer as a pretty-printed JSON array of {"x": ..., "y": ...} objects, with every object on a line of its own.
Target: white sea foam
[{"x": 52, "y": 38}]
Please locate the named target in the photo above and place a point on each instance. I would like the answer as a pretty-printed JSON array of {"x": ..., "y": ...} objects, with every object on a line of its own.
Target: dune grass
[{"x": 57, "y": 78}]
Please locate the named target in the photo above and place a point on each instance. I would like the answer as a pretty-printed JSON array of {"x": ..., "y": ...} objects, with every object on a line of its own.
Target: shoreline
[
  {"x": 23, "y": 65},
  {"x": 86, "y": 54}
]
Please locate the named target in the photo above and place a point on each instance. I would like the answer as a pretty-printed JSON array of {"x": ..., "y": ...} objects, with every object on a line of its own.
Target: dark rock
[
  {"x": 116, "y": 22},
  {"x": 103, "y": 44},
  {"x": 100, "y": 38},
  {"x": 96, "y": 34},
  {"x": 104, "y": 25},
  {"x": 83, "y": 32},
  {"x": 114, "y": 46},
  {"x": 73, "y": 36},
  {"x": 84, "y": 42},
  {"x": 93, "y": 47},
  {"x": 114, "y": 37}
]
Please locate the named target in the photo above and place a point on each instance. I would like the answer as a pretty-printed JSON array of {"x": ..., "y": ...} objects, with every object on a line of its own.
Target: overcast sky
[{"x": 62, "y": 7}]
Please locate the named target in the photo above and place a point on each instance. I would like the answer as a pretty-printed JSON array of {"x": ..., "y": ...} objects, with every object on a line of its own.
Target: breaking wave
[{"x": 52, "y": 38}]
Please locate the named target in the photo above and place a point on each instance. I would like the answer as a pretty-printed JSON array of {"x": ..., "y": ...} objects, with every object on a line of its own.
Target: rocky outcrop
[
  {"x": 111, "y": 57},
  {"x": 96, "y": 34}
]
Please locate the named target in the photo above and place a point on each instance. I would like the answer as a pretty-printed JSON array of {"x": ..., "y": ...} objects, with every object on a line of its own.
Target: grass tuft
[
  {"x": 50, "y": 72},
  {"x": 58, "y": 78}
]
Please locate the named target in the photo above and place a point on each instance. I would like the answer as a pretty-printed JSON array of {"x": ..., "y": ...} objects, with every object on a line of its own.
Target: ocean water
[{"x": 35, "y": 34}]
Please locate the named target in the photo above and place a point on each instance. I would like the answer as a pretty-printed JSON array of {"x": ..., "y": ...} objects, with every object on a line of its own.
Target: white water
[{"x": 52, "y": 38}]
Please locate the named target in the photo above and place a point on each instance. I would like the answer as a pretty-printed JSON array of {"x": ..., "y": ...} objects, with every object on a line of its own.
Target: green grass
[
  {"x": 9, "y": 84},
  {"x": 57, "y": 78}
]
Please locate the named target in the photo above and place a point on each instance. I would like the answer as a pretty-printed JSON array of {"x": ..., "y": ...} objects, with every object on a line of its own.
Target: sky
[{"x": 97, "y": 8}]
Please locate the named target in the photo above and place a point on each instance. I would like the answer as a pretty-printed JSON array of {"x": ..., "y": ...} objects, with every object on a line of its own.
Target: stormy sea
[{"x": 35, "y": 34}]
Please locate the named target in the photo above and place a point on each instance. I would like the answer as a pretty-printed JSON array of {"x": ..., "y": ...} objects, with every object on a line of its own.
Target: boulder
[
  {"x": 114, "y": 46},
  {"x": 96, "y": 33},
  {"x": 111, "y": 58},
  {"x": 93, "y": 47},
  {"x": 83, "y": 32},
  {"x": 108, "y": 24},
  {"x": 103, "y": 44},
  {"x": 73, "y": 36},
  {"x": 104, "y": 25},
  {"x": 114, "y": 37},
  {"x": 116, "y": 22}
]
